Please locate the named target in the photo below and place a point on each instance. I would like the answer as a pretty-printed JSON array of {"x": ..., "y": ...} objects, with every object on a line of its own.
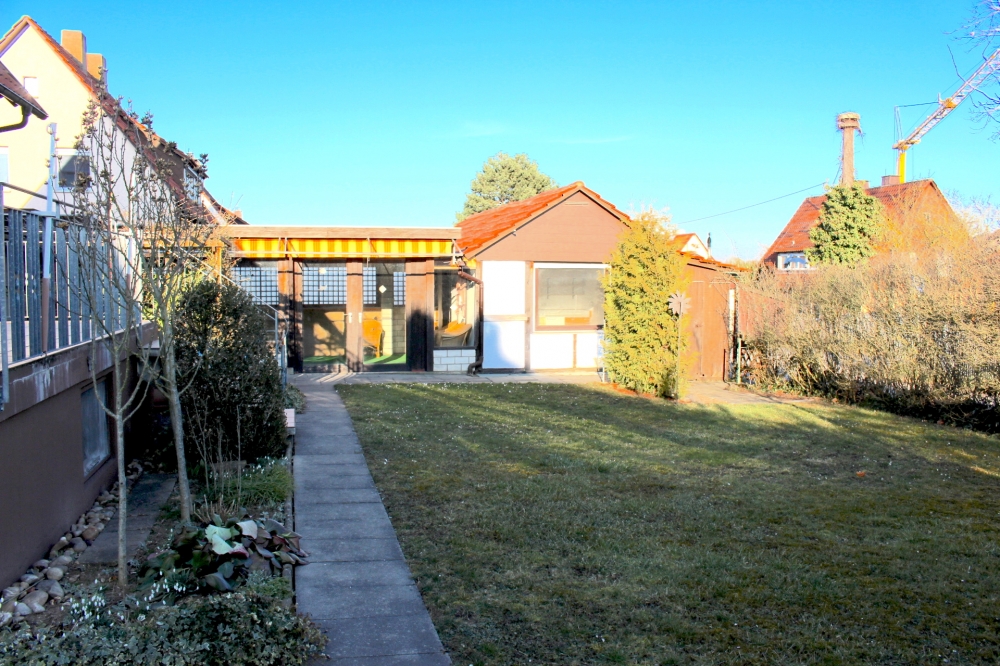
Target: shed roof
[{"x": 484, "y": 229}]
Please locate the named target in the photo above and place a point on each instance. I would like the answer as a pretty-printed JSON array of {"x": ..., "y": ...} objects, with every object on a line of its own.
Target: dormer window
[
  {"x": 192, "y": 185},
  {"x": 793, "y": 261}
]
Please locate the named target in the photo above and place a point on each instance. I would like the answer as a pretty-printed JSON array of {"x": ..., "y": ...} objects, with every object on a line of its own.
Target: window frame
[
  {"x": 536, "y": 288},
  {"x": 782, "y": 261}
]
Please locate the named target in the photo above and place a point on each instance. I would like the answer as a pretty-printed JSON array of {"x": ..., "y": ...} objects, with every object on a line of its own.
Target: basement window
[
  {"x": 569, "y": 296},
  {"x": 96, "y": 435}
]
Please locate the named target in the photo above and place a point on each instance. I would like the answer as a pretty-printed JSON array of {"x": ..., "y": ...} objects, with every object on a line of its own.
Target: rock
[
  {"x": 59, "y": 547},
  {"x": 52, "y": 588},
  {"x": 36, "y": 601},
  {"x": 55, "y": 573},
  {"x": 11, "y": 592},
  {"x": 9, "y": 606},
  {"x": 78, "y": 544},
  {"x": 105, "y": 496},
  {"x": 41, "y": 564},
  {"x": 90, "y": 533},
  {"x": 77, "y": 531},
  {"x": 5, "y": 618},
  {"x": 62, "y": 561},
  {"x": 30, "y": 579},
  {"x": 22, "y": 610}
]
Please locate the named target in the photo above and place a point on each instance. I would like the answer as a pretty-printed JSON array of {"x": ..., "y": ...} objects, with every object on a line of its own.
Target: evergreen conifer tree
[
  {"x": 502, "y": 180},
  {"x": 640, "y": 333},
  {"x": 849, "y": 223}
]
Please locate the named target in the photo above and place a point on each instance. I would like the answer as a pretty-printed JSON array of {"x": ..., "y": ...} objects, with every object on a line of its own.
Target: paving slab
[
  {"x": 357, "y": 586},
  {"x": 148, "y": 495},
  {"x": 354, "y": 550}
]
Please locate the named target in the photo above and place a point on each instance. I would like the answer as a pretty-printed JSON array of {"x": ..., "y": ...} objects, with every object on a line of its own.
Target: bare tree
[
  {"x": 136, "y": 201},
  {"x": 983, "y": 31}
]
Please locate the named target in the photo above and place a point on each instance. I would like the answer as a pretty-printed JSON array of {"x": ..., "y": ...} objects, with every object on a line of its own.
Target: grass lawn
[{"x": 560, "y": 524}]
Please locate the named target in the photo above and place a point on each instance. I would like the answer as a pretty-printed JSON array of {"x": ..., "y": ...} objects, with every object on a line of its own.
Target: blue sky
[{"x": 375, "y": 113}]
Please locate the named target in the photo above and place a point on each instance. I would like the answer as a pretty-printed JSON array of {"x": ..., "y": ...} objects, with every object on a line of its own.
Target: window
[
  {"x": 4, "y": 166},
  {"x": 398, "y": 288},
  {"x": 324, "y": 284},
  {"x": 454, "y": 309},
  {"x": 192, "y": 185},
  {"x": 260, "y": 281},
  {"x": 72, "y": 168},
  {"x": 369, "y": 286},
  {"x": 96, "y": 439},
  {"x": 569, "y": 296},
  {"x": 793, "y": 261},
  {"x": 31, "y": 85}
]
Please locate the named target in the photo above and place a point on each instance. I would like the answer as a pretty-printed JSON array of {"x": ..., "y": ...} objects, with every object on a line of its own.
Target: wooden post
[{"x": 355, "y": 313}]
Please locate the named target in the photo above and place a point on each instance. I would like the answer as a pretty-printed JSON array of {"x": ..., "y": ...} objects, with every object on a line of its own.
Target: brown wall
[
  {"x": 575, "y": 230},
  {"x": 42, "y": 487},
  {"x": 708, "y": 337}
]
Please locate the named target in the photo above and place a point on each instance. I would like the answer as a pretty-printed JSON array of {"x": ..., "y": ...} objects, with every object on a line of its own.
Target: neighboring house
[
  {"x": 903, "y": 203},
  {"x": 692, "y": 245},
  {"x": 371, "y": 299},
  {"x": 56, "y": 452},
  {"x": 65, "y": 77}
]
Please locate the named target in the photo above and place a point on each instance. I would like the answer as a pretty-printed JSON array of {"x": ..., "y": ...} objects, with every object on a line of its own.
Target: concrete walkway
[{"x": 357, "y": 586}]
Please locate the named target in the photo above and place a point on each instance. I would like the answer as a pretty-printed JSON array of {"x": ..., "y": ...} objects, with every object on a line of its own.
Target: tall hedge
[
  {"x": 234, "y": 406},
  {"x": 640, "y": 333}
]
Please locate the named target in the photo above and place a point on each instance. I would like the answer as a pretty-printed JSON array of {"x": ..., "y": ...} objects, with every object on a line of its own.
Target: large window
[
  {"x": 454, "y": 308},
  {"x": 72, "y": 169},
  {"x": 261, "y": 281},
  {"x": 96, "y": 442},
  {"x": 569, "y": 297},
  {"x": 793, "y": 261}
]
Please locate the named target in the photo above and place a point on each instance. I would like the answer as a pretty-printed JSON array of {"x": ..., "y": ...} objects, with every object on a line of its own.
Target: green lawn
[{"x": 573, "y": 525}]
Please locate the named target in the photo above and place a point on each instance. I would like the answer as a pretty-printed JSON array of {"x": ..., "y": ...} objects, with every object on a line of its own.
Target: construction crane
[{"x": 945, "y": 106}]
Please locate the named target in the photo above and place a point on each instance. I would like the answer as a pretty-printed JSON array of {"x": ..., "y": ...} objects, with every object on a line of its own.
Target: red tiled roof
[
  {"x": 485, "y": 228},
  {"x": 898, "y": 201}
]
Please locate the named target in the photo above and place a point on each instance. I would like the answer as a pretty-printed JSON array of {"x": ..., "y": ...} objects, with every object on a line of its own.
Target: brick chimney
[
  {"x": 96, "y": 65},
  {"x": 75, "y": 42},
  {"x": 848, "y": 123}
]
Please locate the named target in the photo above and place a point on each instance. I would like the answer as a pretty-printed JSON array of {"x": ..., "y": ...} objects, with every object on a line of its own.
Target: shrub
[
  {"x": 245, "y": 627},
  {"x": 295, "y": 399},
  {"x": 234, "y": 406},
  {"x": 640, "y": 333},
  {"x": 267, "y": 484},
  {"x": 914, "y": 334}
]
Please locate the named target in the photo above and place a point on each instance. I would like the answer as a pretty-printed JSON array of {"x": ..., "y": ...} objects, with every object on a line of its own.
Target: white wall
[{"x": 505, "y": 315}]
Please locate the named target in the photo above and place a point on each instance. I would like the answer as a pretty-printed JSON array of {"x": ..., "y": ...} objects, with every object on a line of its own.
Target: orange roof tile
[
  {"x": 483, "y": 229},
  {"x": 898, "y": 201}
]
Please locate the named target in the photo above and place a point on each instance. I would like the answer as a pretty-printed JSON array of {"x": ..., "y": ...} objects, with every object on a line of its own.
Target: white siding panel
[
  {"x": 503, "y": 344},
  {"x": 586, "y": 350},
  {"x": 504, "y": 288},
  {"x": 551, "y": 351}
]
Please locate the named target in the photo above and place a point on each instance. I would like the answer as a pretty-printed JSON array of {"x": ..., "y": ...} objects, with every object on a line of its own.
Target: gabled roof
[
  {"x": 12, "y": 89},
  {"x": 484, "y": 229},
  {"x": 898, "y": 201}
]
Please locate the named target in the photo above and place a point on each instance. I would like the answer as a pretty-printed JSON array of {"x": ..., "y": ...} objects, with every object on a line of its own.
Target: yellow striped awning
[{"x": 340, "y": 248}]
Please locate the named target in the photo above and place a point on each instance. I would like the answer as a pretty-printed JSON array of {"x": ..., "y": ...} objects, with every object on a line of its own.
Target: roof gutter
[{"x": 25, "y": 114}]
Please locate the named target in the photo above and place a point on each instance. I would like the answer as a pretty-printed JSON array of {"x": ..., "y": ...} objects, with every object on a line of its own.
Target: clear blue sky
[{"x": 375, "y": 113}]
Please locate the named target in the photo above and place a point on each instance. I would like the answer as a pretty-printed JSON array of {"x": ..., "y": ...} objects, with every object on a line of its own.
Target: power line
[{"x": 736, "y": 210}]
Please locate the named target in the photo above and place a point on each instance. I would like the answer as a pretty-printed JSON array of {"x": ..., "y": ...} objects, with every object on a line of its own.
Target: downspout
[
  {"x": 477, "y": 365},
  {"x": 25, "y": 114}
]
